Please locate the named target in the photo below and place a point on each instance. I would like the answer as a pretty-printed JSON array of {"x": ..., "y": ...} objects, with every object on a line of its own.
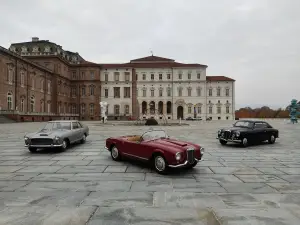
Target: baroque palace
[{"x": 42, "y": 81}]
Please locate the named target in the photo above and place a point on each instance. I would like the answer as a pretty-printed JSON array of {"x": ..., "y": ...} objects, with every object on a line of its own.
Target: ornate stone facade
[{"x": 40, "y": 79}]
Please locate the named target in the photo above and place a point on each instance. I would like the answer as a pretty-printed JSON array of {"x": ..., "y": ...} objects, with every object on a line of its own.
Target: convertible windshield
[
  {"x": 57, "y": 126},
  {"x": 154, "y": 134},
  {"x": 247, "y": 124}
]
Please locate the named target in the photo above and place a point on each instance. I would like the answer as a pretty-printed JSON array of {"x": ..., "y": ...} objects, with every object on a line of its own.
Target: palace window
[
  {"x": 218, "y": 91},
  {"x": 189, "y": 109},
  {"x": 189, "y": 92},
  {"x": 92, "y": 89},
  {"x": 160, "y": 76},
  {"x": 32, "y": 104},
  {"x": 116, "y": 92},
  {"x": 82, "y": 109},
  {"x": 198, "y": 76},
  {"x": 126, "y": 92},
  {"x": 22, "y": 105},
  {"x": 152, "y": 93},
  {"x": 83, "y": 91},
  {"x": 9, "y": 101},
  {"x": 92, "y": 75},
  {"x": 10, "y": 76},
  {"x": 160, "y": 92},
  {"x": 106, "y": 77},
  {"x": 22, "y": 79},
  {"x": 189, "y": 76},
  {"x": 227, "y": 92},
  {"x": 210, "y": 92},
  {"x": 169, "y": 92},
  {"x": 180, "y": 92},
  {"x": 227, "y": 109},
  {"x": 152, "y": 76},
  {"x": 210, "y": 110},
  {"x": 126, "y": 109},
  {"x": 199, "y": 91},
  {"x": 106, "y": 92},
  {"x": 144, "y": 92},
  {"x": 117, "y": 76},
  {"x": 199, "y": 110},
  {"x": 144, "y": 76},
  {"x": 127, "y": 76},
  {"x": 179, "y": 76},
  {"x": 117, "y": 109},
  {"x": 168, "y": 76},
  {"x": 219, "y": 110}
]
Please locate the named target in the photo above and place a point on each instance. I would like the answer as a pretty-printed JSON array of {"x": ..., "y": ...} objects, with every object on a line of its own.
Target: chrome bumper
[
  {"x": 230, "y": 140},
  {"x": 43, "y": 146},
  {"x": 184, "y": 164}
]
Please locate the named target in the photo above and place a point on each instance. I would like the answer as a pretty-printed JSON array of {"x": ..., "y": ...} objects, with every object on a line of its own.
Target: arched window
[
  {"x": 91, "y": 109},
  {"x": 22, "y": 79},
  {"x": 42, "y": 85},
  {"x": 117, "y": 109},
  {"x": 32, "y": 104},
  {"x": 42, "y": 106},
  {"x": 9, "y": 101},
  {"x": 49, "y": 107},
  {"x": 49, "y": 87},
  {"x": 22, "y": 105},
  {"x": 92, "y": 90},
  {"x": 126, "y": 109},
  {"x": 82, "y": 109},
  {"x": 32, "y": 83},
  {"x": 10, "y": 76}
]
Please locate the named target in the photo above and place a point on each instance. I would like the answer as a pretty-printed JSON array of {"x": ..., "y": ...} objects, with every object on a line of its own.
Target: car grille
[
  {"x": 41, "y": 141},
  {"x": 227, "y": 134},
  {"x": 191, "y": 155}
]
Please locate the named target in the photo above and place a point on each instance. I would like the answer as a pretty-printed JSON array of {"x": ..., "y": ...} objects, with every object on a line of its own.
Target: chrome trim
[
  {"x": 230, "y": 140},
  {"x": 43, "y": 146},
  {"x": 134, "y": 156},
  {"x": 179, "y": 165},
  {"x": 106, "y": 148}
]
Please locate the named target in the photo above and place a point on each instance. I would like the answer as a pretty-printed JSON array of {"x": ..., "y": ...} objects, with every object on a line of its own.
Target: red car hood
[{"x": 170, "y": 144}]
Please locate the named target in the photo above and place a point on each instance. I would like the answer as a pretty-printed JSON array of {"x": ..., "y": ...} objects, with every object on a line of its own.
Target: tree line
[{"x": 263, "y": 112}]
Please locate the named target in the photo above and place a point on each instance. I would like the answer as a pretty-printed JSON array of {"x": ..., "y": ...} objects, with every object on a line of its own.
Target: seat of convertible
[{"x": 134, "y": 138}]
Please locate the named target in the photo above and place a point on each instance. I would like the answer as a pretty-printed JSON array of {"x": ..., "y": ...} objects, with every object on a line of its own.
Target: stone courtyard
[{"x": 83, "y": 185}]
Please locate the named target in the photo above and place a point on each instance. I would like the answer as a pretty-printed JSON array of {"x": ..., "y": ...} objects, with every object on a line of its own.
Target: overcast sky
[{"x": 256, "y": 42}]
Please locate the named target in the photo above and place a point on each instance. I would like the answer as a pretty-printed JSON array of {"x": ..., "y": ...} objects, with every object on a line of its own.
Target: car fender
[{"x": 164, "y": 153}]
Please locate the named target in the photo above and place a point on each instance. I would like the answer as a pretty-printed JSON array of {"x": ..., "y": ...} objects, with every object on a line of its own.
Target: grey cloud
[{"x": 255, "y": 42}]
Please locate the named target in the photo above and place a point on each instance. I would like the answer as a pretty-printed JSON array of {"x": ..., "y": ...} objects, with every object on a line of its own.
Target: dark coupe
[
  {"x": 245, "y": 132},
  {"x": 156, "y": 147}
]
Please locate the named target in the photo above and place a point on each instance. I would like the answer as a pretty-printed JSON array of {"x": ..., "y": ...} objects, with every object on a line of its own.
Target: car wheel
[
  {"x": 223, "y": 142},
  {"x": 33, "y": 150},
  {"x": 272, "y": 139},
  {"x": 115, "y": 154},
  {"x": 245, "y": 142},
  {"x": 83, "y": 139},
  {"x": 160, "y": 164},
  {"x": 64, "y": 145}
]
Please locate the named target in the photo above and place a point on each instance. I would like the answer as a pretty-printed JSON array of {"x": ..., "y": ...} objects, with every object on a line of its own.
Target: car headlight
[
  {"x": 219, "y": 132},
  {"x": 202, "y": 150},
  {"x": 56, "y": 138},
  {"x": 237, "y": 133},
  {"x": 25, "y": 138},
  {"x": 178, "y": 156}
]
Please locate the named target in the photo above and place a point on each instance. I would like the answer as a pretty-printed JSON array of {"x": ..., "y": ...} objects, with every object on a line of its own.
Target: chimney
[{"x": 35, "y": 39}]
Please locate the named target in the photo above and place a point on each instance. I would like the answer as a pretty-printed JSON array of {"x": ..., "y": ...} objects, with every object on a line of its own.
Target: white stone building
[{"x": 160, "y": 87}]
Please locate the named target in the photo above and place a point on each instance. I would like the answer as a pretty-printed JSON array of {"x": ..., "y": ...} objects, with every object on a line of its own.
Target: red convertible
[{"x": 156, "y": 147}]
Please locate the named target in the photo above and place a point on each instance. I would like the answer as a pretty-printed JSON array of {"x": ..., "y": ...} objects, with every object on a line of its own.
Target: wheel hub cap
[
  {"x": 272, "y": 138},
  {"x": 64, "y": 144},
  {"x": 160, "y": 163},
  {"x": 115, "y": 152},
  {"x": 245, "y": 141}
]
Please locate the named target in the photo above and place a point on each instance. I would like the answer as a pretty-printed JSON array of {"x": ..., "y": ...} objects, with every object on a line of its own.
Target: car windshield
[
  {"x": 154, "y": 134},
  {"x": 247, "y": 124},
  {"x": 57, "y": 126}
]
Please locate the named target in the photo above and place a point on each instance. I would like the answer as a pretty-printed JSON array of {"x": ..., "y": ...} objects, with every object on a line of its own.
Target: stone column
[{"x": 165, "y": 109}]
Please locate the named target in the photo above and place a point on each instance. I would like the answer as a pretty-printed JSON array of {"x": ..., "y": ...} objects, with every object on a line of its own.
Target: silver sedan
[{"x": 57, "y": 134}]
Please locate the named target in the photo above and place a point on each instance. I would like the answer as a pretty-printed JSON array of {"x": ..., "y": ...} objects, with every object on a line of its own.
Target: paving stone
[
  {"x": 71, "y": 163},
  {"x": 234, "y": 170},
  {"x": 223, "y": 178},
  {"x": 32, "y": 198},
  {"x": 38, "y": 163},
  {"x": 10, "y": 169},
  {"x": 49, "y": 215},
  {"x": 151, "y": 186},
  {"x": 115, "y": 169},
  {"x": 119, "y": 199},
  {"x": 113, "y": 186},
  {"x": 260, "y": 178},
  {"x": 248, "y": 188},
  {"x": 40, "y": 169},
  {"x": 10, "y": 163},
  {"x": 286, "y": 187},
  {"x": 82, "y": 169},
  {"x": 68, "y": 158},
  {"x": 52, "y": 177},
  {"x": 158, "y": 216},
  {"x": 270, "y": 170},
  {"x": 108, "y": 176},
  {"x": 11, "y": 185}
]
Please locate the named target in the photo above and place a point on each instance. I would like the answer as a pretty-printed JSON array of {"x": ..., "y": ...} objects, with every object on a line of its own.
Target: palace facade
[{"x": 41, "y": 81}]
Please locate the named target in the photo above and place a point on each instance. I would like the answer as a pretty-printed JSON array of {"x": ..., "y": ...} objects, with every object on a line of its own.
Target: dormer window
[
  {"x": 24, "y": 49},
  {"x": 47, "y": 49},
  {"x": 35, "y": 49}
]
